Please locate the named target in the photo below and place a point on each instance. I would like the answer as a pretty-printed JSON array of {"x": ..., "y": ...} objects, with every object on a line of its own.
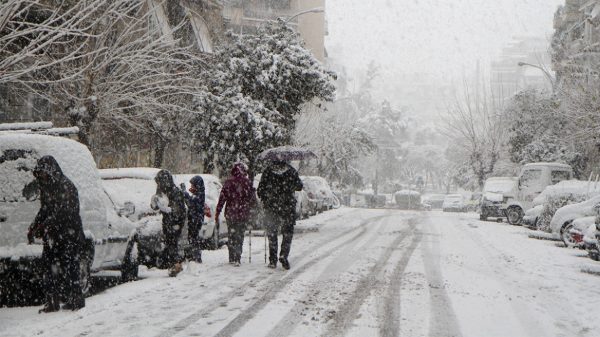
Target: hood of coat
[
  {"x": 280, "y": 167},
  {"x": 239, "y": 170},
  {"x": 164, "y": 182},
  {"x": 198, "y": 183},
  {"x": 47, "y": 171}
]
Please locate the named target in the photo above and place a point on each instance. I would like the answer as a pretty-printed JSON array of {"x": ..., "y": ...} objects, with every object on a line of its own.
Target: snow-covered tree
[
  {"x": 231, "y": 127},
  {"x": 101, "y": 64},
  {"x": 273, "y": 67},
  {"x": 474, "y": 125},
  {"x": 539, "y": 131}
]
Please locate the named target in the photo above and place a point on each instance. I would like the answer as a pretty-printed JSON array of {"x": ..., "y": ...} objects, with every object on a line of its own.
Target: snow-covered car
[
  {"x": 497, "y": 191},
  {"x": 454, "y": 203},
  {"x": 319, "y": 193},
  {"x": 533, "y": 179},
  {"x": 590, "y": 241},
  {"x": 564, "y": 218},
  {"x": 436, "y": 201},
  {"x": 135, "y": 186},
  {"x": 574, "y": 235},
  {"x": 303, "y": 209},
  {"x": 408, "y": 199},
  {"x": 109, "y": 237},
  {"x": 531, "y": 216}
]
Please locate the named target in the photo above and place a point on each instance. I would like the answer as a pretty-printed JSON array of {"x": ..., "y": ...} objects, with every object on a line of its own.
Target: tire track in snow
[
  {"x": 273, "y": 279},
  {"x": 390, "y": 320},
  {"x": 347, "y": 312},
  {"x": 290, "y": 321},
  {"x": 443, "y": 321}
]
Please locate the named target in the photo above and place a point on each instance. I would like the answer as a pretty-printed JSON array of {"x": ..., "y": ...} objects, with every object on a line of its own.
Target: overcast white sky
[{"x": 442, "y": 38}]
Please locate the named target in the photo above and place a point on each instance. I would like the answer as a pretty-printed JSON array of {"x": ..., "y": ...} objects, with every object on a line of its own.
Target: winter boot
[
  {"x": 176, "y": 269},
  {"x": 284, "y": 263},
  {"x": 75, "y": 303},
  {"x": 236, "y": 264},
  {"x": 52, "y": 304}
]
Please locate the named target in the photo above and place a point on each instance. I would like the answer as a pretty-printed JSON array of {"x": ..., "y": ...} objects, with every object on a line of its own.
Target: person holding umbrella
[
  {"x": 238, "y": 198},
  {"x": 276, "y": 190}
]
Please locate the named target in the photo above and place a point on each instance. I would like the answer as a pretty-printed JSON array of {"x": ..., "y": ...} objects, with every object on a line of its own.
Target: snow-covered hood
[
  {"x": 573, "y": 211},
  {"x": 493, "y": 196}
]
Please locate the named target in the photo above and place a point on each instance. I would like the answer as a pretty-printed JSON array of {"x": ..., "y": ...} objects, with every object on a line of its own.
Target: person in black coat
[
  {"x": 276, "y": 190},
  {"x": 169, "y": 200},
  {"x": 195, "y": 204},
  {"x": 58, "y": 223}
]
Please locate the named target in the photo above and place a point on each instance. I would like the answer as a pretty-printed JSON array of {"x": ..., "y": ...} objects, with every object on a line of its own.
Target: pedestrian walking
[
  {"x": 169, "y": 200},
  {"x": 238, "y": 198},
  {"x": 58, "y": 223},
  {"x": 195, "y": 200},
  {"x": 276, "y": 190}
]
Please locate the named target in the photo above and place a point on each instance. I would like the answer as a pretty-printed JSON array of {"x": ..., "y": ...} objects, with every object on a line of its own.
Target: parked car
[
  {"x": 454, "y": 203},
  {"x": 530, "y": 219},
  {"x": 564, "y": 220},
  {"x": 533, "y": 179},
  {"x": 436, "y": 201},
  {"x": 497, "y": 191},
  {"x": 408, "y": 200},
  {"x": 135, "y": 186},
  {"x": 319, "y": 193},
  {"x": 590, "y": 243},
  {"x": 109, "y": 237},
  {"x": 303, "y": 209}
]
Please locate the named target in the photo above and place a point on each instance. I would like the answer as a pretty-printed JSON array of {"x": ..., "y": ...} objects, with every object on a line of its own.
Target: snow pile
[
  {"x": 25, "y": 126},
  {"x": 147, "y": 173}
]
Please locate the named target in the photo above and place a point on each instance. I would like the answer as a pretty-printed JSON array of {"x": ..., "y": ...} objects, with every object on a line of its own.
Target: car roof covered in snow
[
  {"x": 543, "y": 164},
  {"x": 146, "y": 173},
  {"x": 408, "y": 192}
]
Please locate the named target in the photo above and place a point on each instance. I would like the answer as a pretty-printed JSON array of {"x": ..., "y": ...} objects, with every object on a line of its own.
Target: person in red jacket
[{"x": 239, "y": 198}]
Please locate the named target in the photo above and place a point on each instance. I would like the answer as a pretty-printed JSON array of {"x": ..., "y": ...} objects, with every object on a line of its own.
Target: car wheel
[
  {"x": 566, "y": 237},
  {"x": 483, "y": 216},
  {"x": 514, "y": 215},
  {"x": 85, "y": 267},
  {"x": 130, "y": 266},
  {"x": 594, "y": 256}
]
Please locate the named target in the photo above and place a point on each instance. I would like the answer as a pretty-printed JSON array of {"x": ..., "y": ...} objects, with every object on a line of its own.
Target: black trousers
[
  {"x": 235, "y": 241},
  {"x": 62, "y": 272},
  {"x": 170, "y": 255},
  {"x": 276, "y": 223},
  {"x": 194, "y": 240}
]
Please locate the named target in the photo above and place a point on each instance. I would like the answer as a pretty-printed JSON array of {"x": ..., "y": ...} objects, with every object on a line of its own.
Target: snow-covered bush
[{"x": 552, "y": 204}]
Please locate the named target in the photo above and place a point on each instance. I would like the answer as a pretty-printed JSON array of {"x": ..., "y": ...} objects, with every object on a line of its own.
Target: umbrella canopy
[{"x": 286, "y": 153}]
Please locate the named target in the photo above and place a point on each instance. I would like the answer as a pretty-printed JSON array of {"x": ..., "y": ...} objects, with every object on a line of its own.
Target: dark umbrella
[{"x": 286, "y": 153}]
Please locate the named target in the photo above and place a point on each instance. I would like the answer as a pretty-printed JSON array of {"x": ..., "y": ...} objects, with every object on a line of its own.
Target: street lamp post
[
  {"x": 546, "y": 73},
  {"x": 312, "y": 10}
]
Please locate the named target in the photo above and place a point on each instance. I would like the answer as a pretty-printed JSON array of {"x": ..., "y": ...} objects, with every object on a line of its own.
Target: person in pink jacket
[{"x": 238, "y": 197}]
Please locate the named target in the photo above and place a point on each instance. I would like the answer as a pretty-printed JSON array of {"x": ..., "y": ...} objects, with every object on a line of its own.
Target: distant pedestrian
[
  {"x": 195, "y": 204},
  {"x": 276, "y": 190},
  {"x": 170, "y": 202},
  {"x": 238, "y": 197},
  {"x": 58, "y": 223}
]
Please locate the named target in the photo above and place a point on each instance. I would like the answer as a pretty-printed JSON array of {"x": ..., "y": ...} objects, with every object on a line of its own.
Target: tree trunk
[{"x": 159, "y": 152}]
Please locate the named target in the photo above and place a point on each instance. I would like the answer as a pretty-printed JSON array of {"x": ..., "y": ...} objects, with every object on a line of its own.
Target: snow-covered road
[{"x": 363, "y": 273}]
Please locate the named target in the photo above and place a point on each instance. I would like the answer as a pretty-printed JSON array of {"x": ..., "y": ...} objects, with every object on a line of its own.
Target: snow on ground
[{"x": 363, "y": 273}]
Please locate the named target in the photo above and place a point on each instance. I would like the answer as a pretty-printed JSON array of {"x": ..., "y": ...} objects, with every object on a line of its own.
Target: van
[{"x": 533, "y": 179}]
